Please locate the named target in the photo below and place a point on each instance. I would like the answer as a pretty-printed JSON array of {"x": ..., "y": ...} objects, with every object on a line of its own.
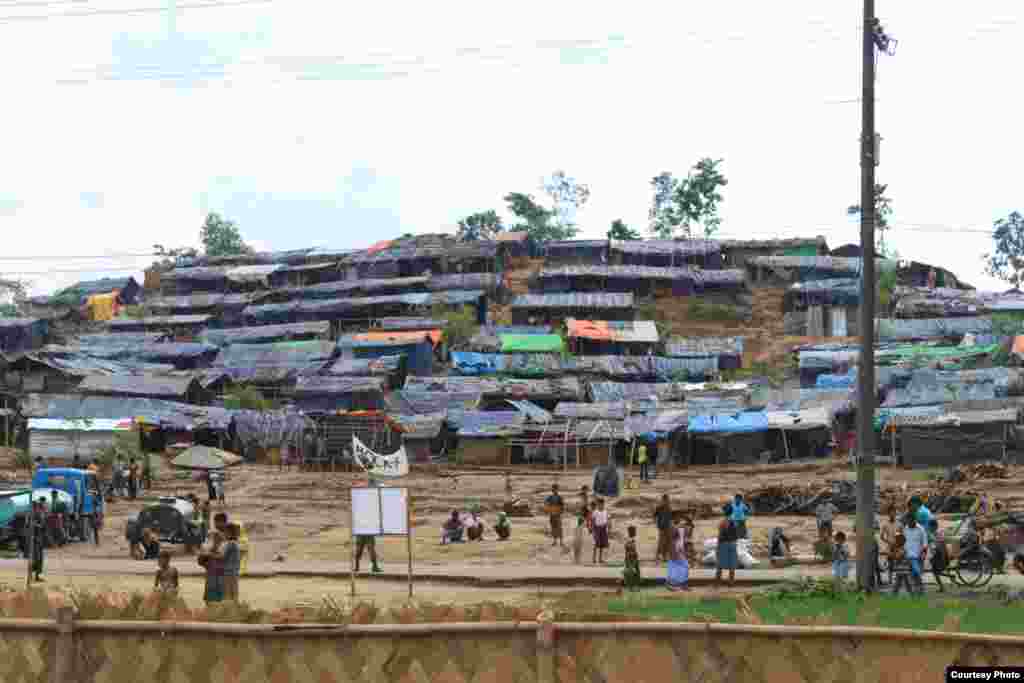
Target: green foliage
[
  {"x": 1006, "y": 261},
  {"x": 22, "y": 460},
  {"x": 883, "y": 212},
  {"x": 566, "y": 195},
  {"x": 69, "y": 298},
  {"x": 221, "y": 237},
  {"x": 247, "y": 398},
  {"x": 703, "y": 310},
  {"x": 459, "y": 325},
  {"x": 8, "y": 311},
  {"x": 621, "y": 231},
  {"x": 483, "y": 225},
  {"x": 887, "y": 281},
  {"x": 679, "y": 206},
  {"x": 126, "y": 446}
]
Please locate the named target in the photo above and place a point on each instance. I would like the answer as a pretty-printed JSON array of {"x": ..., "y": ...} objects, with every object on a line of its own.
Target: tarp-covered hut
[
  {"x": 392, "y": 369},
  {"x": 179, "y": 326},
  {"x": 18, "y": 335},
  {"x": 544, "y": 308},
  {"x": 576, "y": 252},
  {"x": 638, "y": 280},
  {"x": 736, "y": 253},
  {"x": 612, "y": 337},
  {"x": 417, "y": 347},
  {"x": 667, "y": 253},
  {"x": 267, "y": 334},
  {"x": 329, "y": 393},
  {"x": 171, "y": 388},
  {"x": 275, "y": 365},
  {"x": 726, "y": 352}
]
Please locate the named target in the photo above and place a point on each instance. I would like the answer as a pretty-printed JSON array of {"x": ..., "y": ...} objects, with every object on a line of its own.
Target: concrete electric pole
[{"x": 866, "y": 376}]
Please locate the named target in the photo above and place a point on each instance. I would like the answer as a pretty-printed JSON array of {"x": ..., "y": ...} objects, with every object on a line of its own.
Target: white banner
[{"x": 394, "y": 465}]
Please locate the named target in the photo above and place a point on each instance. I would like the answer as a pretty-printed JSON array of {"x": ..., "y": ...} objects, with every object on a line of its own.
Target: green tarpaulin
[
  {"x": 806, "y": 250},
  {"x": 532, "y": 343},
  {"x": 930, "y": 354}
]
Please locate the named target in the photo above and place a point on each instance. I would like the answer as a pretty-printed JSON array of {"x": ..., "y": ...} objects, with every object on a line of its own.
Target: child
[
  {"x": 679, "y": 562},
  {"x": 898, "y": 565},
  {"x": 840, "y": 557},
  {"x": 631, "y": 573},
  {"x": 577, "y": 539},
  {"x": 166, "y": 575},
  {"x": 940, "y": 558},
  {"x": 687, "y": 538},
  {"x": 151, "y": 544},
  {"x": 600, "y": 519},
  {"x": 503, "y": 528}
]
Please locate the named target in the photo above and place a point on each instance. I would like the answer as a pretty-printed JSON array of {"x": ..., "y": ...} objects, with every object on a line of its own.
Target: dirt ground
[{"x": 293, "y": 516}]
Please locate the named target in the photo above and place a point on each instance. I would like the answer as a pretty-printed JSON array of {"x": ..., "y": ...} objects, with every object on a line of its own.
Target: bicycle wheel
[{"x": 974, "y": 569}]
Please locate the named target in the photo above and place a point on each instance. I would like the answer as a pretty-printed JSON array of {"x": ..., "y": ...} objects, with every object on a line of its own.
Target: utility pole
[{"x": 866, "y": 375}]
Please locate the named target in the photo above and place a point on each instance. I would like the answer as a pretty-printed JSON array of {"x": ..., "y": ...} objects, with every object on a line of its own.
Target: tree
[
  {"x": 13, "y": 294},
  {"x": 682, "y": 205},
  {"x": 883, "y": 211},
  {"x": 567, "y": 196},
  {"x": 221, "y": 237},
  {"x": 1006, "y": 261},
  {"x": 621, "y": 231},
  {"x": 483, "y": 225}
]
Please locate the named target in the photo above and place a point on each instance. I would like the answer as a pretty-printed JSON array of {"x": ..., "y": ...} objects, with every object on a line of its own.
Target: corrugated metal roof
[
  {"x": 681, "y": 247},
  {"x": 628, "y": 331},
  {"x": 365, "y": 367},
  {"x": 465, "y": 281},
  {"x": 330, "y": 290},
  {"x": 802, "y": 419},
  {"x": 410, "y": 324},
  {"x": 563, "y": 388},
  {"x": 89, "y": 425},
  {"x": 252, "y": 273},
  {"x": 77, "y": 406},
  {"x": 333, "y": 385},
  {"x": 532, "y": 411},
  {"x": 419, "y": 402},
  {"x": 493, "y": 424},
  {"x": 259, "y": 334},
  {"x": 700, "y": 346},
  {"x": 617, "y": 272},
  {"x": 159, "y": 321},
  {"x": 137, "y": 385},
  {"x": 613, "y": 410},
  {"x": 575, "y": 300}
]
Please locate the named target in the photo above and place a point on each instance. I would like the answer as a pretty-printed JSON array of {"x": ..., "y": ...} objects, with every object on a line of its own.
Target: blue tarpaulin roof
[{"x": 733, "y": 424}]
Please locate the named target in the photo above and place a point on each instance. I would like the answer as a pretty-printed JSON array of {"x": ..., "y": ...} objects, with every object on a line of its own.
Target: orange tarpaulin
[
  {"x": 589, "y": 329},
  {"x": 434, "y": 335},
  {"x": 1018, "y": 344},
  {"x": 379, "y": 246}
]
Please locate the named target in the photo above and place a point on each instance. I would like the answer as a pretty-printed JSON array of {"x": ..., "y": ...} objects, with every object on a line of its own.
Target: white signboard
[
  {"x": 380, "y": 511},
  {"x": 394, "y": 465}
]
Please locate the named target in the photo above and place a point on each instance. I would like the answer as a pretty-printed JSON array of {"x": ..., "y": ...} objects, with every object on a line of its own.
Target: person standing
[
  {"x": 840, "y": 558},
  {"x": 631, "y": 572},
  {"x": 915, "y": 547},
  {"x": 641, "y": 457},
  {"x": 678, "y": 574},
  {"x": 232, "y": 563},
  {"x": 220, "y": 521},
  {"x": 367, "y": 543},
  {"x": 213, "y": 561},
  {"x": 554, "y": 506},
  {"x": 211, "y": 486},
  {"x": 133, "y": 478},
  {"x": 725, "y": 552},
  {"x": 778, "y": 547},
  {"x": 825, "y": 513},
  {"x": 38, "y": 537},
  {"x": 740, "y": 512},
  {"x": 601, "y": 532},
  {"x": 166, "y": 580},
  {"x": 663, "y": 521}
]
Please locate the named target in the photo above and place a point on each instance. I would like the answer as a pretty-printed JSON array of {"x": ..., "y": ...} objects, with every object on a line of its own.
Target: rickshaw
[{"x": 969, "y": 563}]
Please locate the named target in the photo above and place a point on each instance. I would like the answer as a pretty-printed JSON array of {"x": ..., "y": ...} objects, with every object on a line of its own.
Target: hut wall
[
  {"x": 481, "y": 451},
  {"x": 951, "y": 447},
  {"x": 794, "y": 323}
]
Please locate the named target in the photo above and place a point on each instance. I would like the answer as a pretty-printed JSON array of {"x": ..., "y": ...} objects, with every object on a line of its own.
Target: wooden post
[
  {"x": 64, "y": 646},
  {"x": 785, "y": 443},
  {"x": 352, "y": 525},
  {"x": 408, "y": 534},
  {"x": 545, "y": 652},
  {"x": 31, "y": 538}
]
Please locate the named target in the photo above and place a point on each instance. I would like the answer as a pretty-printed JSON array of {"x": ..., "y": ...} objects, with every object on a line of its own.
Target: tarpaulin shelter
[
  {"x": 425, "y": 253},
  {"x": 417, "y": 347},
  {"x": 392, "y": 369},
  {"x": 420, "y": 402},
  {"x": 898, "y": 329},
  {"x": 203, "y": 458},
  {"x": 191, "y": 280},
  {"x": 488, "y": 338},
  {"x": 737, "y": 253},
  {"x": 638, "y": 280},
  {"x": 487, "y": 282},
  {"x": 173, "y": 415},
  {"x": 661, "y": 391},
  {"x": 612, "y": 336},
  {"x": 354, "y": 288},
  {"x": 327, "y": 393},
  {"x": 409, "y": 324},
  {"x": 224, "y": 306},
  {"x": 481, "y": 435},
  {"x": 18, "y": 335},
  {"x": 546, "y": 307},
  {"x": 710, "y": 281},
  {"x": 667, "y": 253},
  {"x": 532, "y": 343},
  {"x": 103, "y": 307},
  {"x": 364, "y": 308},
  {"x": 184, "y": 389},
  {"x": 722, "y": 438},
  {"x": 183, "y": 356},
  {"x": 60, "y": 439},
  {"x": 267, "y": 334},
  {"x": 608, "y": 410},
  {"x": 575, "y": 251},
  {"x": 275, "y": 364},
  {"x": 784, "y": 269},
  {"x": 178, "y": 325},
  {"x": 727, "y": 352},
  {"x": 126, "y": 288},
  {"x": 951, "y": 438}
]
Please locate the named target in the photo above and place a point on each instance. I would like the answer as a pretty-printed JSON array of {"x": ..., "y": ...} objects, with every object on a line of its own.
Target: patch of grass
[
  {"x": 929, "y": 474},
  {"x": 703, "y": 310},
  {"x": 841, "y": 609}
]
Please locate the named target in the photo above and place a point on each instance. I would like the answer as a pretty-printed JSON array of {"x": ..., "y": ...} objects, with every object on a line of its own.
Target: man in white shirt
[
  {"x": 915, "y": 547},
  {"x": 825, "y": 513}
]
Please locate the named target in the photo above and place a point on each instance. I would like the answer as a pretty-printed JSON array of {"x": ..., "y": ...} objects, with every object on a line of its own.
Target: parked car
[
  {"x": 171, "y": 519},
  {"x": 86, "y": 509}
]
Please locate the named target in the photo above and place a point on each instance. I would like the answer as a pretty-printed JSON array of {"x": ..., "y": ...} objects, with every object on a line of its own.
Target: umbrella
[{"x": 203, "y": 458}]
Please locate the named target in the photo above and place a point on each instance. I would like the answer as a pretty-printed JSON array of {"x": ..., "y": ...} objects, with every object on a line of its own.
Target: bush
[
  {"x": 459, "y": 326},
  {"x": 247, "y": 398}
]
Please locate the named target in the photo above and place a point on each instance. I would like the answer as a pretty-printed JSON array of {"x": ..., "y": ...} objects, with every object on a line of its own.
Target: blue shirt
[{"x": 740, "y": 512}]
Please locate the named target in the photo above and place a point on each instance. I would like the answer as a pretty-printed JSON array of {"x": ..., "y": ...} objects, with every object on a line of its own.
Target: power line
[{"x": 131, "y": 11}]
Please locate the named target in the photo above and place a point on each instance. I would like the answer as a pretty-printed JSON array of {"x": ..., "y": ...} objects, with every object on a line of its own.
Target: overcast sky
[{"x": 326, "y": 123}]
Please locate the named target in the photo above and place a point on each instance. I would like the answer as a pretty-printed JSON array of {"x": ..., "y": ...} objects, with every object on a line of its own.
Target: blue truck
[{"x": 87, "y": 499}]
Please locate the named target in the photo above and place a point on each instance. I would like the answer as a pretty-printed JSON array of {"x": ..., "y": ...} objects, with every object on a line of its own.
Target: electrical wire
[{"x": 130, "y": 11}]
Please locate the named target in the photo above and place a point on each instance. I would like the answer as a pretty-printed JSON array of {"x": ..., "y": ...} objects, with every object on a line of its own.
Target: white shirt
[
  {"x": 825, "y": 512},
  {"x": 600, "y": 518},
  {"x": 917, "y": 540}
]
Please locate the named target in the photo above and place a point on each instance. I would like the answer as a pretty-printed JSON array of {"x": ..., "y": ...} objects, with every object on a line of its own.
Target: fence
[{"x": 66, "y": 651}]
